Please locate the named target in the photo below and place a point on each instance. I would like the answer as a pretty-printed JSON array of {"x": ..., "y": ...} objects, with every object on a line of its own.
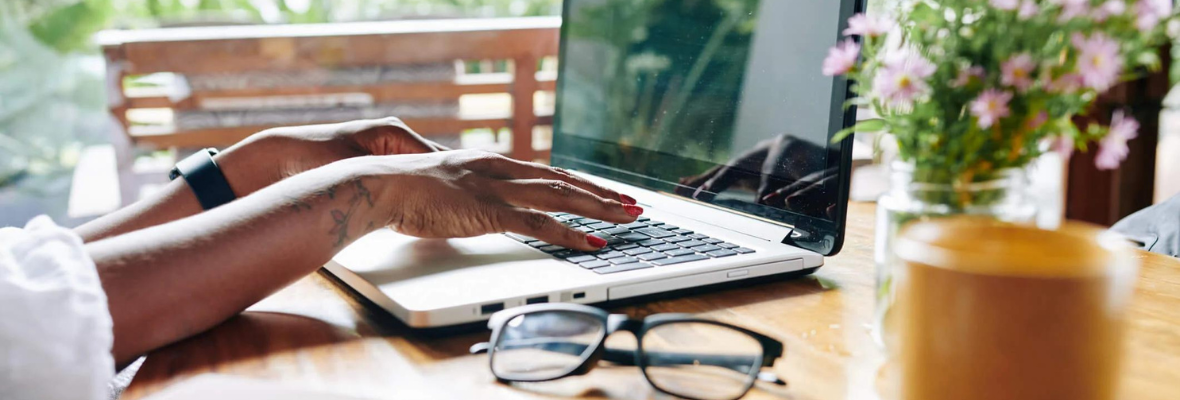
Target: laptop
[{"x": 712, "y": 114}]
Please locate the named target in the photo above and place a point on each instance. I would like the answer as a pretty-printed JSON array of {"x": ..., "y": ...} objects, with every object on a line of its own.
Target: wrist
[{"x": 250, "y": 164}]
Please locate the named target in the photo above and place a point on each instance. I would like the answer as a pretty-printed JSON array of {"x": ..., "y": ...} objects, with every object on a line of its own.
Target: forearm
[
  {"x": 246, "y": 167},
  {"x": 174, "y": 280}
]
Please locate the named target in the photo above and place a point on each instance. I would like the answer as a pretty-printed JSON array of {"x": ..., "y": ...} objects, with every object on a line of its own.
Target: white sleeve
[{"x": 55, "y": 328}]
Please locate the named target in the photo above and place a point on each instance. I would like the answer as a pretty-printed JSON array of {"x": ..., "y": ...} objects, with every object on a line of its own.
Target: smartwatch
[{"x": 204, "y": 177}]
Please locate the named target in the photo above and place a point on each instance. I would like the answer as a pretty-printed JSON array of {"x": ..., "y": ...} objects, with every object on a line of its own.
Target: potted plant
[{"x": 974, "y": 90}]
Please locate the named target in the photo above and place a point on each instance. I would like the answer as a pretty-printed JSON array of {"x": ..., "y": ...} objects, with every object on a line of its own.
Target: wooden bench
[{"x": 293, "y": 48}]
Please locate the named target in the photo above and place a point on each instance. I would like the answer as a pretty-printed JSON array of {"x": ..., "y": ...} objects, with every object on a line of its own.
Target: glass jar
[{"x": 1001, "y": 194}]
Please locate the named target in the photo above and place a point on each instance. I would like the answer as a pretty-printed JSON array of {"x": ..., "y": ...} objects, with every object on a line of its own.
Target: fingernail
[
  {"x": 596, "y": 241},
  {"x": 627, "y": 199},
  {"x": 633, "y": 211}
]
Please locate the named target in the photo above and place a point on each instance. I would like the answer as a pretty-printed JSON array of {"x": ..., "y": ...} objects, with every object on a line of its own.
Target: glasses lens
[
  {"x": 701, "y": 360},
  {"x": 544, "y": 345}
]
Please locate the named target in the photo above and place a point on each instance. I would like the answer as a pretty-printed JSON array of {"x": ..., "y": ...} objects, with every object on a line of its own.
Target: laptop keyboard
[{"x": 645, "y": 243}]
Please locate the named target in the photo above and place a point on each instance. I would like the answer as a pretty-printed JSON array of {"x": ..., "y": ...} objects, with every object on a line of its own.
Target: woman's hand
[
  {"x": 276, "y": 154},
  {"x": 470, "y": 193}
]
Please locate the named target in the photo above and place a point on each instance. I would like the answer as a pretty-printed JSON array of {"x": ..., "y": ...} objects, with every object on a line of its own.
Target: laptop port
[
  {"x": 490, "y": 308},
  {"x": 537, "y": 300},
  {"x": 579, "y": 295}
]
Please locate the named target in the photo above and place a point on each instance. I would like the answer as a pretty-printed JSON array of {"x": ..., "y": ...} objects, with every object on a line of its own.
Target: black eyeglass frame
[{"x": 771, "y": 349}]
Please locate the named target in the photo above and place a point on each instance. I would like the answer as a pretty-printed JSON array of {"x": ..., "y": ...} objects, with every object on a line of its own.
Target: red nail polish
[
  {"x": 633, "y": 211},
  {"x": 627, "y": 199},
  {"x": 596, "y": 241}
]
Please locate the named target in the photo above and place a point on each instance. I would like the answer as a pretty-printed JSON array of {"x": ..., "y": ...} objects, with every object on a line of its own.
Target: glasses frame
[{"x": 771, "y": 349}]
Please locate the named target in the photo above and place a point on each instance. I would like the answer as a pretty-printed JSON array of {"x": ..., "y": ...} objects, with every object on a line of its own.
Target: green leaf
[{"x": 868, "y": 125}]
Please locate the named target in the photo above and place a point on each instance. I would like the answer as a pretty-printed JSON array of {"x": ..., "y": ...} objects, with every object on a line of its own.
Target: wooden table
[{"x": 317, "y": 336}]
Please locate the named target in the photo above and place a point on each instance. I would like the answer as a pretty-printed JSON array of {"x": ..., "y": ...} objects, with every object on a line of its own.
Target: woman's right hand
[{"x": 454, "y": 194}]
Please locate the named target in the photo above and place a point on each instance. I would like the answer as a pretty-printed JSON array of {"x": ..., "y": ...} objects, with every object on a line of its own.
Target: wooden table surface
[{"x": 316, "y": 336}]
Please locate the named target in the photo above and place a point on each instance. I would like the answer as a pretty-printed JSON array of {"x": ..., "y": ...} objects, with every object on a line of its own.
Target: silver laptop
[{"x": 716, "y": 119}]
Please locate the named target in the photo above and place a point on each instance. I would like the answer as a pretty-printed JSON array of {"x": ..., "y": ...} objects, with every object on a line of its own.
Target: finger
[
  {"x": 507, "y": 168},
  {"x": 554, "y": 195},
  {"x": 545, "y": 228}
]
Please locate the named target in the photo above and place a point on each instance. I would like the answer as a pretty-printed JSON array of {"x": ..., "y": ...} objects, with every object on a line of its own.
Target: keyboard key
[
  {"x": 713, "y": 241},
  {"x": 557, "y": 214},
  {"x": 679, "y": 252},
  {"x": 610, "y": 239},
  {"x": 610, "y": 254},
  {"x": 692, "y": 243},
  {"x": 594, "y": 264},
  {"x": 586, "y": 229},
  {"x": 720, "y": 253},
  {"x": 581, "y": 258},
  {"x": 617, "y": 230},
  {"x": 681, "y": 231},
  {"x": 655, "y": 223},
  {"x": 538, "y": 244},
  {"x": 551, "y": 248},
  {"x": 624, "y": 246},
  {"x": 637, "y": 251},
  {"x": 623, "y": 260},
  {"x": 665, "y": 247},
  {"x": 680, "y": 259},
  {"x": 743, "y": 250},
  {"x": 621, "y": 268},
  {"x": 727, "y": 245},
  {"x": 644, "y": 219},
  {"x": 677, "y": 239},
  {"x": 651, "y": 242},
  {"x": 634, "y": 225},
  {"x": 706, "y": 248},
  {"x": 602, "y": 225},
  {"x": 667, "y": 227},
  {"x": 698, "y": 236},
  {"x": 652, "y": 256},
  {"x": 634, "y": 237},
  {"x": 589, "y": 221},
  {"x": 567, "y": 254},
  {"x": 655, "y": 232}
]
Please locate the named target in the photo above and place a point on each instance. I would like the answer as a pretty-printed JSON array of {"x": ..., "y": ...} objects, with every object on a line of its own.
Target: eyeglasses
[{"x": 679, "y": 355}]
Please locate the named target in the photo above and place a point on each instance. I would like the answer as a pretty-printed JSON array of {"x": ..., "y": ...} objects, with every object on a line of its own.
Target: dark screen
[{"x": 721, "y": 101}]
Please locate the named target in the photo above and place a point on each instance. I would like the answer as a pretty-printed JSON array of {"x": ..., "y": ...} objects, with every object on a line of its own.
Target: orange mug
[{"x": 993, "y": 310}]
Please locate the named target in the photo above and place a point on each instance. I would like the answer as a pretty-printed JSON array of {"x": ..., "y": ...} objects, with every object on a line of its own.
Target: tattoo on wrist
[{"x": 342, "y": 217}]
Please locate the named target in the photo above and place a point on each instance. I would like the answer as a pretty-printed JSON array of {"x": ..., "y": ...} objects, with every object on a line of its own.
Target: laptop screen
[{"x": 719, "y": 101}]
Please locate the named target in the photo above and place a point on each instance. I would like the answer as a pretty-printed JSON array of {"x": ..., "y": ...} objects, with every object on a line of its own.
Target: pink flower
[
  {"x": 990, "y": 107},
  {"x": 1098, "y": 60},
  {"x": 1006, "y": 5},
  {"x": 966, "y": 75},
  {"x": 841, "y": 58},
  {"x": 1112, "y": 149},
  {"x": 1148, "y": 13},
  {"x": 1062, "y": 145},
  {"x": 1067, "y": 84},
  {"x": 864, "y": 25},
  {"x": 1109, "y": 9},
  {"x": 1038, "y": 121},
  {"x": 1017, "y": 71},
  {"x": 1071, "y": 9},
  {"x": 903, "y": 78},
  {"x": 1028, "y": 9}
]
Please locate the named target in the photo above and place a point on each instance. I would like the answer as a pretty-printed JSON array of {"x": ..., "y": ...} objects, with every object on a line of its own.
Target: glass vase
[{"x": 919, "y": 195}]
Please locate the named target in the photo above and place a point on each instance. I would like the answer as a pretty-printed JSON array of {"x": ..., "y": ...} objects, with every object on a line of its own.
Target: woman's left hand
[{"x": 275, "y": 154}]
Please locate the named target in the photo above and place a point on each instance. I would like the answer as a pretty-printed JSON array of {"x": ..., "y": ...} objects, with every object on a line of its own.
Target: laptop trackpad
[{"x": 433, "y": 273}]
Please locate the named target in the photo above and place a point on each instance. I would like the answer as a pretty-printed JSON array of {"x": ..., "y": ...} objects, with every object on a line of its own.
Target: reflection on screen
[{"x": 721, "y": 100}]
